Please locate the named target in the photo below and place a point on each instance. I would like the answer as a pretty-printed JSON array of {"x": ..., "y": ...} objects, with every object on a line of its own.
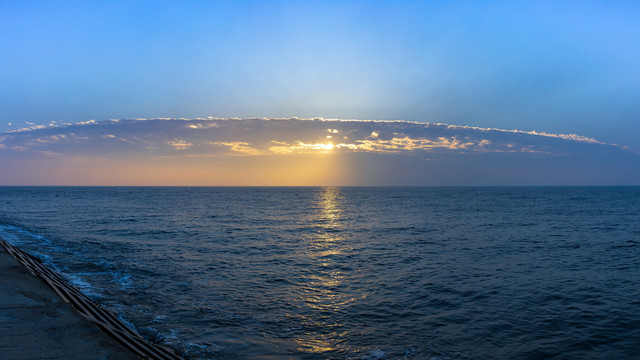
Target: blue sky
[{"x": 558, "y": 66}]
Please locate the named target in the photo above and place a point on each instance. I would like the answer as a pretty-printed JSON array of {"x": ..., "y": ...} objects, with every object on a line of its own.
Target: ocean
[{"x": 350, "y": 272}]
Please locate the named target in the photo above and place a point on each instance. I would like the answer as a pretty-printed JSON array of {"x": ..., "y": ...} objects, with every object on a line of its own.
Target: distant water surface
[{"x": 350, "y": 273}]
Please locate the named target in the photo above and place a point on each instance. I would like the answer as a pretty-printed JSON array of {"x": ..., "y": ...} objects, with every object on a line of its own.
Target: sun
[{"x": 328, "y": 146}]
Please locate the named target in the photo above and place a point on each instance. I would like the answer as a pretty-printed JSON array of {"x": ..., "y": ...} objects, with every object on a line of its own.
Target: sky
[{"x": 552, "y": 67}]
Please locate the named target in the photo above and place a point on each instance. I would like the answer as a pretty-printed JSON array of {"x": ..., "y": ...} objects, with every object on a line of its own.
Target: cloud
[
  {"x": 386, "y": 143},
  {"x": 238, "y": 147},
  {"x": 283, "y": 148},
  {"x": 537, "y": 133},
  {"x": 201, "y": 125},
  {"x": 179, "y": 144},
  {"x": 286, "y": 136}
]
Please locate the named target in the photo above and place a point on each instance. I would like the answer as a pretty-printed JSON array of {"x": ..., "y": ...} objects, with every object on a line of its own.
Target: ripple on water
[{"x": 350, "y": 273}]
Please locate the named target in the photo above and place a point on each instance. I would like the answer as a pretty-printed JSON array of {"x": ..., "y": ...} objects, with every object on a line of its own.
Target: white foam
[
  {"x": 17, "y": 236},
  {"x": 8, "y": 236}
]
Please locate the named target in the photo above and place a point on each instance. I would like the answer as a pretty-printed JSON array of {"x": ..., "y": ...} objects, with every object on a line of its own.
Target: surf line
[{"x": 102, "y": 318}]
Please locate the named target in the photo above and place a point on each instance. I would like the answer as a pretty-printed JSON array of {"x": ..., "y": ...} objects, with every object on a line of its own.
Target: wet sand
[{"x": 36, "y": 324}]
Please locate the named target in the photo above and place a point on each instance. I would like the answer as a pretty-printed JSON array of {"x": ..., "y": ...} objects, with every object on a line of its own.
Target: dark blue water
[{"x": 350, "y": 273}]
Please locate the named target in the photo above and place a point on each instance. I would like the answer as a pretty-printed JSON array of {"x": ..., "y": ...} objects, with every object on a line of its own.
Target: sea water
[{"x": 350, "y": 273}]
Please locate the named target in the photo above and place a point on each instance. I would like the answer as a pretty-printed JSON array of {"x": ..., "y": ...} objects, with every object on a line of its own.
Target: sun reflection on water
[{"x": 323, "y": 294}]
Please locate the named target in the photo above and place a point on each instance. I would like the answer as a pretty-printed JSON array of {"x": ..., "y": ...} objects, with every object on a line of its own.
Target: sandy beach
[{"x": 37, "y": 324}]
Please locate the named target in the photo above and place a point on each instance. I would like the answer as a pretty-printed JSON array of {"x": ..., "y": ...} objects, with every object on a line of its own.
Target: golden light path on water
[{"x": 321, "y": 294}]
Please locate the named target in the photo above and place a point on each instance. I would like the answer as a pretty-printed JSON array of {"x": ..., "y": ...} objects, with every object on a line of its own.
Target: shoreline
[
  {"x": 103, "y": 319},
  {"x": 38, "y": 324}
]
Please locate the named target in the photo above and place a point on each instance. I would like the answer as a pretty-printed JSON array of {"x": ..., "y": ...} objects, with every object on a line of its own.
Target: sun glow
[
  {"x": 299, "y": 146},
  {"x": 328, "y": 146}
]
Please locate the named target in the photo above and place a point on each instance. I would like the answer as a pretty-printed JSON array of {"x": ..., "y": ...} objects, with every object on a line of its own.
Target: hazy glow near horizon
[{"x": 299, "y": 152}]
